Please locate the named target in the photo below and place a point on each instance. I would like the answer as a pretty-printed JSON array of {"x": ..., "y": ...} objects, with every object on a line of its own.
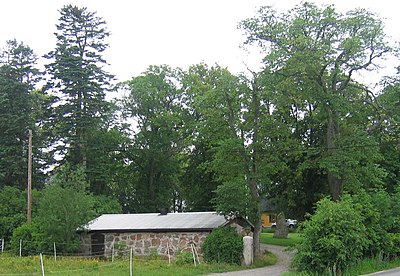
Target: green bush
[
  {"x": 393, "y": 248},
  {"x": 184, "y": 257},
  {"x": 223, "y": 245},
  {"x": 375, "y": 208},
  {"x": 31, "y": 237},
  {"x": 333, "y": 238}
]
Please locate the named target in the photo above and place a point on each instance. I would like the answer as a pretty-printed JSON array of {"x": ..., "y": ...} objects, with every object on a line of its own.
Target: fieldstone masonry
[{"x": 145, "y": 244}]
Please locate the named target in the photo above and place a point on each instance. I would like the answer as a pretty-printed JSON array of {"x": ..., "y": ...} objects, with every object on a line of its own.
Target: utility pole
[{"x": 29, "y": 214}]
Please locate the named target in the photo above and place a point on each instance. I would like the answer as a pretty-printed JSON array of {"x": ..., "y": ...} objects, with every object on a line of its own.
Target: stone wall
[
  {"x": 149, "y": 243},
  {"x": 145, "y": 244},
  {"x": 86, "y": 247}
]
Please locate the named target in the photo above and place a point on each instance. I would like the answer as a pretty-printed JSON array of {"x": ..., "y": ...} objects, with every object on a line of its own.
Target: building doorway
[{"x": 98, "y": 245}]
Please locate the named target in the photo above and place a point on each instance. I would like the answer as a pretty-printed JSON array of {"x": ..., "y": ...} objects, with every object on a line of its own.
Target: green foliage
[
  {"x": 233, "y": 199},
  {"x": 78, "y": 82},
  {"x": 393, "y": 248},
  {"x": 184, "y": 257},
  {"x": 12, "y": 210},
  {"x": 70, "y": 176},
  {"x": 65, "y": 205},
  {"x": 379, "y": 210},
  {"x": 228, "y": 111},
  {"x": 320, "y": 114},
  {"x": 18, "y": 76},
  {"x": 389, "y": 131},
  {"x": 302, "y": 123},
  {"x": 334, "y": 238},
  {"x": 155, "y": 104},
  {"x": 376, "y": 210},
  {"x": 103, "y": 204},
  {"x": 61, "y": 212},
  {"x": 223, "y": 244},
  {"x": 31, "y": 239}
]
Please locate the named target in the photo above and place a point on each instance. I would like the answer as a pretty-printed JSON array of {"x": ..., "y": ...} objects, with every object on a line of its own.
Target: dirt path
[{"x": 281, "y": 266}]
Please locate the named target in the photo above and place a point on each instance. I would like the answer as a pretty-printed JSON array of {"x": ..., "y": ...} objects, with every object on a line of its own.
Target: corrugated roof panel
[{"x": 155, "y": 221}]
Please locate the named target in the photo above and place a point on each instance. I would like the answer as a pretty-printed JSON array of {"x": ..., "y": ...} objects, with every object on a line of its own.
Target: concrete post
[{"x": 247, "y": 250}]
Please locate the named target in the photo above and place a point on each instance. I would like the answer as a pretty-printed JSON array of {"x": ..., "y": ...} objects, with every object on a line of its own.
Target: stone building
[{"x": 153, "y": 233}]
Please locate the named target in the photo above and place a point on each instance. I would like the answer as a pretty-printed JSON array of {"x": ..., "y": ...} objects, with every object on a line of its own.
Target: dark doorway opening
[{"x": 98, "y": 245}]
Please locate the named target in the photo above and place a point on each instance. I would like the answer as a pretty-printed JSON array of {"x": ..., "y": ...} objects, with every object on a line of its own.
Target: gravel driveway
[{"x": 281, "y": 266}]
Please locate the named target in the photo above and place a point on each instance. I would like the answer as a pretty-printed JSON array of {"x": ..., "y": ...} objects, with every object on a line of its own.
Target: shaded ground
[{"x": 281, "y": 266}]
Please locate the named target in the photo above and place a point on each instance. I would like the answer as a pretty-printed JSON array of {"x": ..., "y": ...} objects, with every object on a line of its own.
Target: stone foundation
[{"x": 145, "y": 244}]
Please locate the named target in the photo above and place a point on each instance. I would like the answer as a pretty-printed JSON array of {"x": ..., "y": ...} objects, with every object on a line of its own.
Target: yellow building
[
  {"x": 267, "y": 218},
  {"x": 268, "y": 214}
]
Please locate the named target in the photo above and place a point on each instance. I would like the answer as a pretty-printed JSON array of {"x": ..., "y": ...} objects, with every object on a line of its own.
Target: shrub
[
  {"x": 393, "y": 248},
  {"x": 31, "y": 237},
  {"x": 333, "y": 238},
  {"x": 184, "y": 257},
  {"x": 223, "y": 245},
  {"x": 374, "y": 208}
]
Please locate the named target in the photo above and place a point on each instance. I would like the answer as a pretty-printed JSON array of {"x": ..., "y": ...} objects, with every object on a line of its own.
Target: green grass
[
  {"x": 293, "y": 238},
  {"x": 141, "y": 266},
  {"x": 272, "y": 230},
  {"x": 365, "y": 266}
]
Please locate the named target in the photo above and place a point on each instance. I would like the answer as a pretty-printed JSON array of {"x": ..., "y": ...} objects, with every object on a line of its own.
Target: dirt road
[{"x": 281, "y": 266}]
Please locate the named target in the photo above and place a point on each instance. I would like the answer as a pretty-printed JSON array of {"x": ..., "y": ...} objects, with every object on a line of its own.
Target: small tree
[
  {"x": 65, "y": 205},
  {"x": 334, "y": 238}
]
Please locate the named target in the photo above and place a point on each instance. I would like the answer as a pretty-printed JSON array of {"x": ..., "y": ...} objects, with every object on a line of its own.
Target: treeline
[{"x": 201, "y": 139}]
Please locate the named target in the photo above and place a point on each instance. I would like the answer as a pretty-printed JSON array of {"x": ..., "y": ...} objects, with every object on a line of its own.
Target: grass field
[
  {"x": 83, "y": 266},
  {"x": 293, "y": 238}
]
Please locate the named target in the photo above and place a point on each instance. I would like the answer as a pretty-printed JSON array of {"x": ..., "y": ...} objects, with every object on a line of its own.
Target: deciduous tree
[{"x": 314, "y": 55}]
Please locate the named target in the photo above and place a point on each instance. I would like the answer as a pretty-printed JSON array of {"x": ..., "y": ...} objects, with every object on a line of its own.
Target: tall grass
[
  {"x": 363, "y": 267},
  {"x": 141, "y": 266},
  {"x": 367, "y": 266}
]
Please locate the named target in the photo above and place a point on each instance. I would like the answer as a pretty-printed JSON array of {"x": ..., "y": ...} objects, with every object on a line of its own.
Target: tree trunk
[
  {"x": 257, "y": 225},
  {"x": 255, "y": 196}
]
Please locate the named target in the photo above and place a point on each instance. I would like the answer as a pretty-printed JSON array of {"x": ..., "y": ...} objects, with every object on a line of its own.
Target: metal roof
[{"x": 155, "y": 222}]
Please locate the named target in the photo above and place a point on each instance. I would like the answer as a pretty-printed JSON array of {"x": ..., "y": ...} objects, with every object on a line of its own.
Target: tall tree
[
  {"x": 154, "y": 103},
  {"x": 78, "y": 81},
  {"x": 228, "y": 112},
  {"x": 388, "y": 132},
  {"x": 315, "y": 54},
  {"x": 18, "y": 76}
]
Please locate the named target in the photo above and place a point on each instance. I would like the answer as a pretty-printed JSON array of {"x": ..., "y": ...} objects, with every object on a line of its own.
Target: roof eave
[{"x": 150, "y": 230}]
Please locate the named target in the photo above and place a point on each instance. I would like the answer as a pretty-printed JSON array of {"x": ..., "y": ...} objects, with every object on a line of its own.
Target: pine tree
[
  {"x": 18, "y": 77},
  {"x": 78, "y": 81}
]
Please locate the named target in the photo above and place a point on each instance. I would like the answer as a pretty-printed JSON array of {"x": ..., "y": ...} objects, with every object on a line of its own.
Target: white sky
[{"x": 178, "y": 33}]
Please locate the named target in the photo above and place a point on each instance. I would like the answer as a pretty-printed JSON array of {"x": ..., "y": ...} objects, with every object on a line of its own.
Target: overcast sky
[{"x": 178, "y": 33}]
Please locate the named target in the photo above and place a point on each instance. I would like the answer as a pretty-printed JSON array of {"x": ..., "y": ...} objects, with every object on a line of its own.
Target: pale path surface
[
  {"x": 281, "y": 266},
  {"x": 391, "y": 272}
]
